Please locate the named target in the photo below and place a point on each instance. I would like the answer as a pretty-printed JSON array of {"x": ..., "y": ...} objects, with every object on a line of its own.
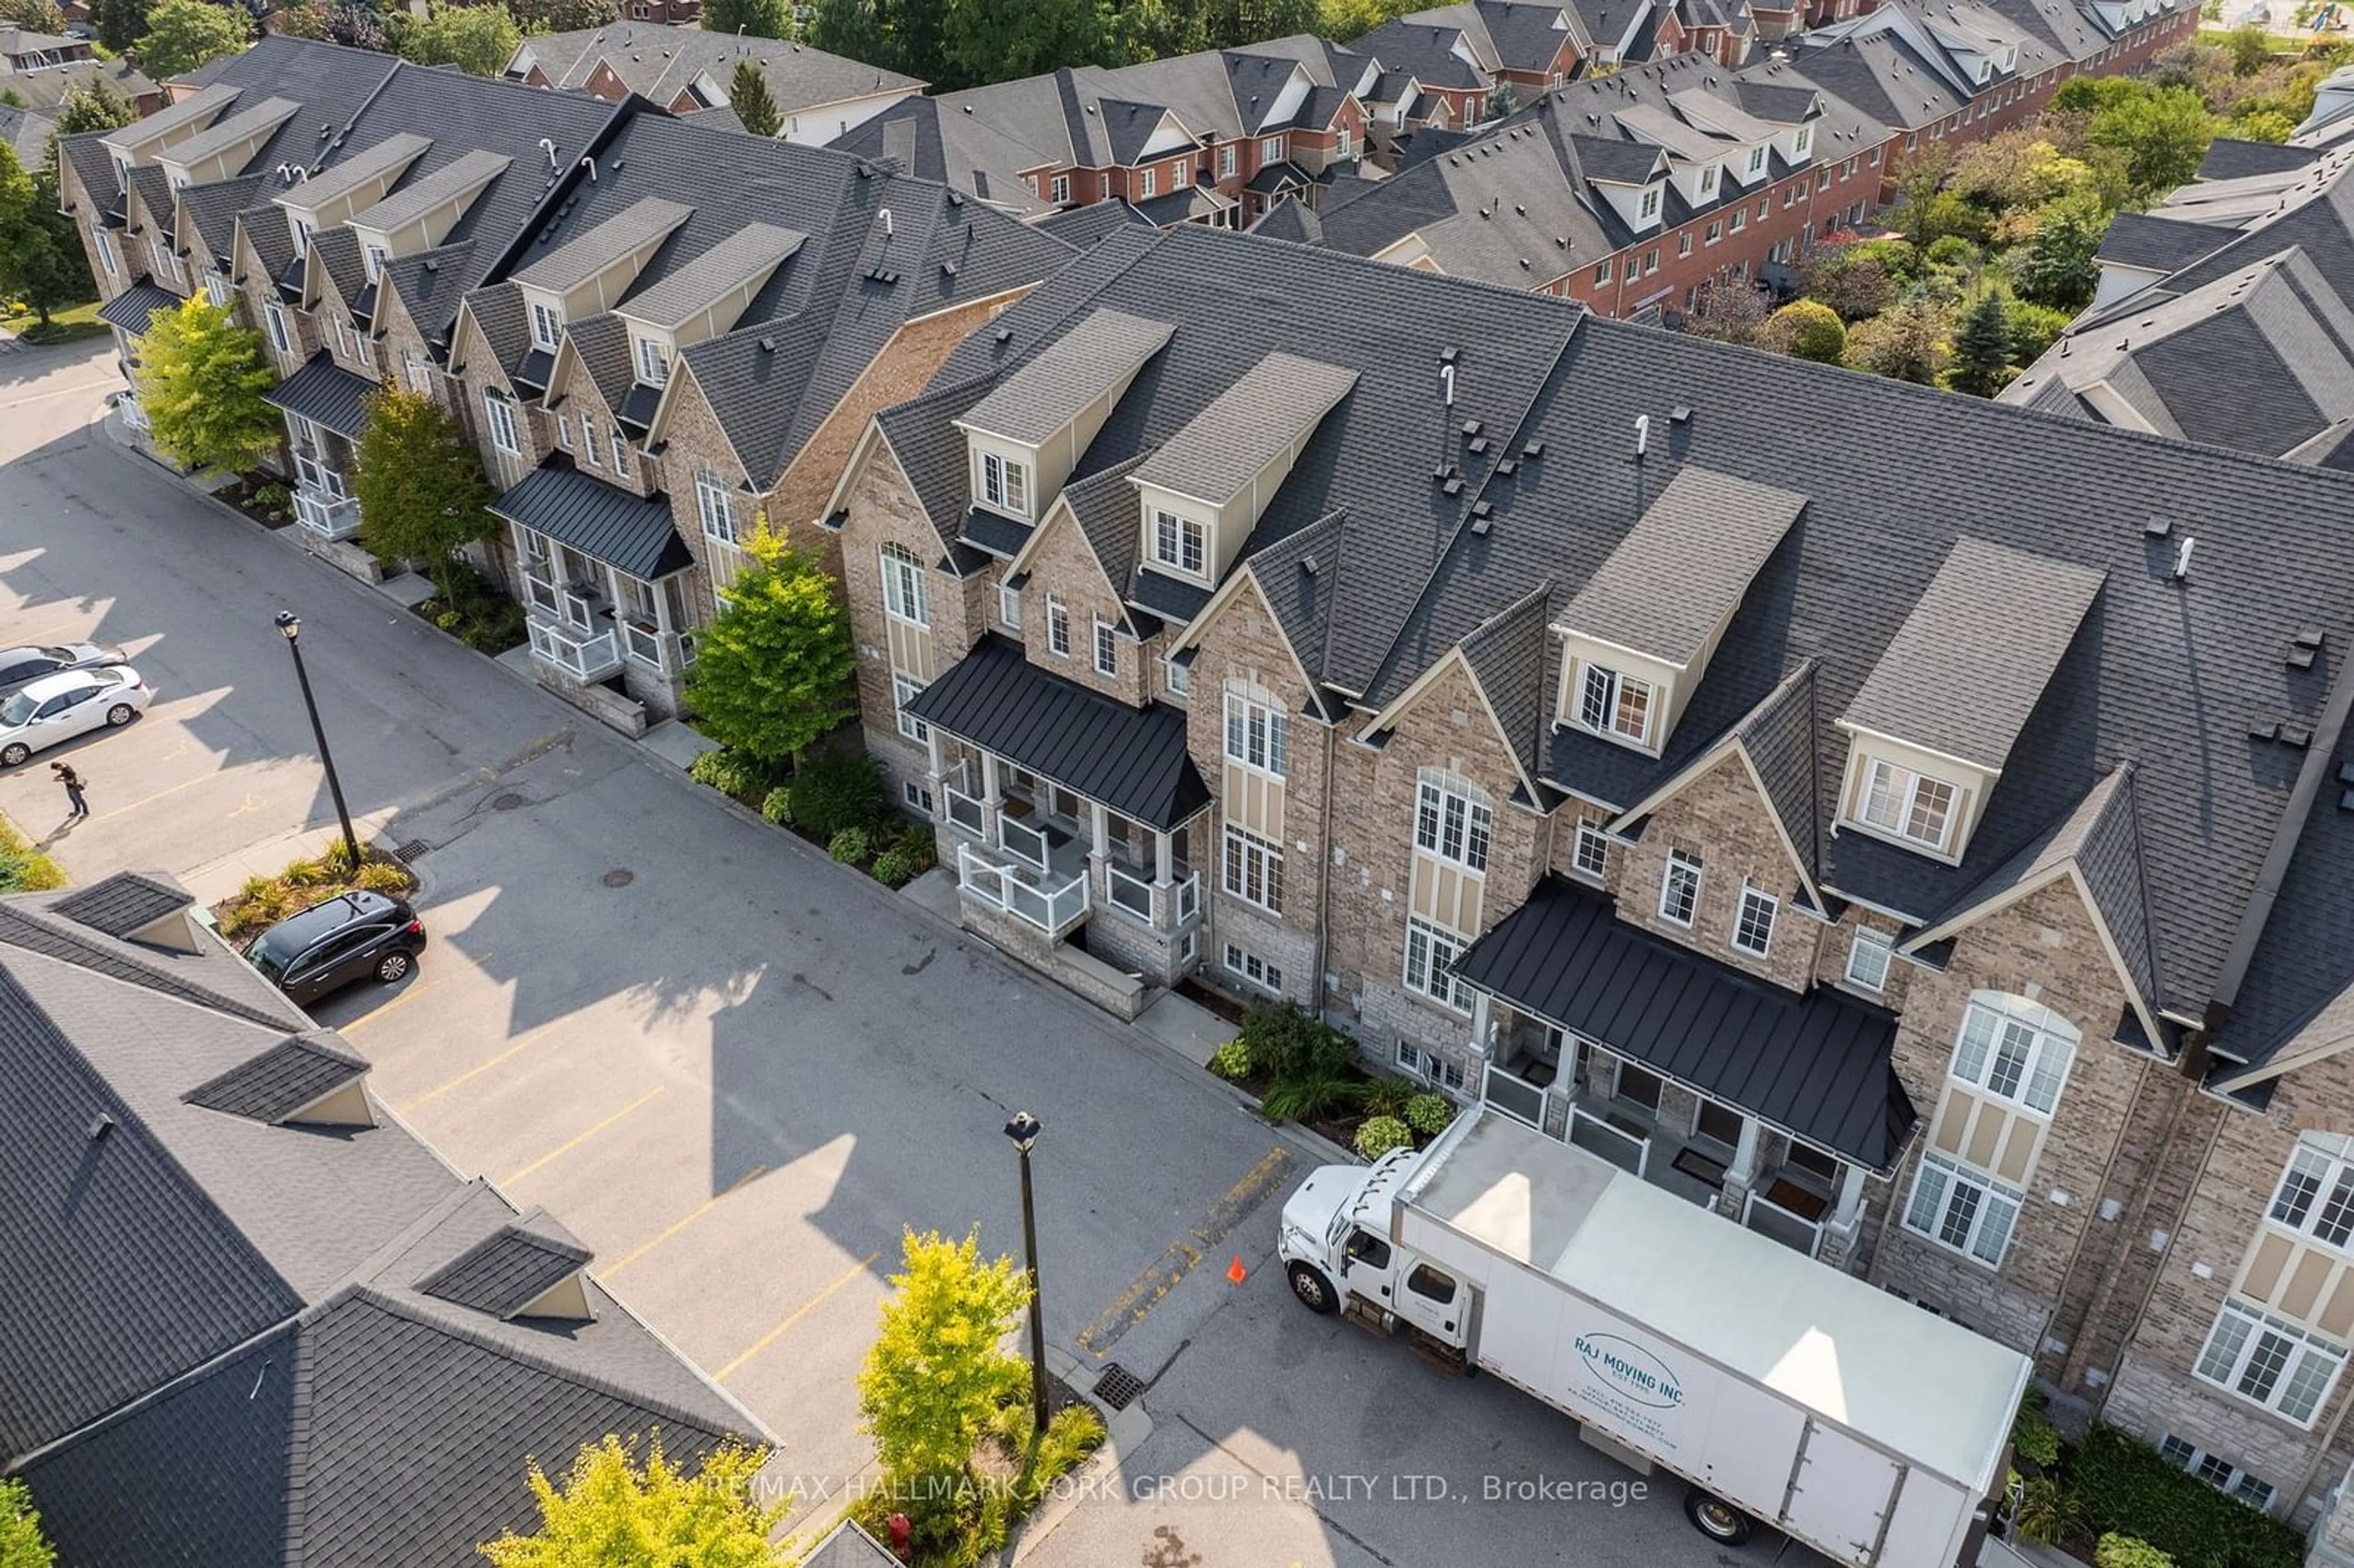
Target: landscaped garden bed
[
  {"x": 261, "y": 497},
  {"x": 475, "y": 611},
  {"x": 23, "y": 868},
  {"x": 836, "y": 801},
  {"x": 1302, "y": 1069},
  {"x": 264, "y": 901}
]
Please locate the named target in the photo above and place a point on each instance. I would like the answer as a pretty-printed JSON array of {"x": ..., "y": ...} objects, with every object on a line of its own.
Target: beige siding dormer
[
  {"x": 1026, "y": 436},
  {"x": 1617, "y": 694},
  {"x": 1924, "y": 799}
]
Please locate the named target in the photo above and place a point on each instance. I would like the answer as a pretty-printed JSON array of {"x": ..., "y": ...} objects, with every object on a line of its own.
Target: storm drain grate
[
  {"x": 412, "y": 852},
  {"x": 1118, "y": 1386}
]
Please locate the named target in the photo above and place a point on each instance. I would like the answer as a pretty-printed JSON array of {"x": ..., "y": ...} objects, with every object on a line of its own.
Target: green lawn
[{"x": 69, "y": 326}]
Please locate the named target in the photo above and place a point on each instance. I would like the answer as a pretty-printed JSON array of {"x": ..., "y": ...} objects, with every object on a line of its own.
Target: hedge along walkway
[{"x": 24, "y": 868}]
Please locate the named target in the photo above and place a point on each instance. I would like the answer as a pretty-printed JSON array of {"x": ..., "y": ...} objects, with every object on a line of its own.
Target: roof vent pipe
[
  {"x": 883, "y": 216},
  {"x": 548, "y": 146},
  {"x": 589, "y": 163},
  {"x": 1642, "y": 435},
  {"x": 1446, "y": 382},
  {"x": 2182, "y": 572}
]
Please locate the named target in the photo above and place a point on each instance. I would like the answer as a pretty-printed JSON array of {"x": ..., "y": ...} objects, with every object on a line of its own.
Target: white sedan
[{"x": 70, "y": 703}]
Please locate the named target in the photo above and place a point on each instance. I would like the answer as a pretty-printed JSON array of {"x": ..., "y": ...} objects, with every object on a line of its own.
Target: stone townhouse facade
[{"x": 1487, "y": 677}]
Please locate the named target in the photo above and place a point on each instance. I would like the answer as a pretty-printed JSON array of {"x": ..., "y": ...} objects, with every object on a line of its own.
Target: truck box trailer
[{"x": 1779, "y": 1389}]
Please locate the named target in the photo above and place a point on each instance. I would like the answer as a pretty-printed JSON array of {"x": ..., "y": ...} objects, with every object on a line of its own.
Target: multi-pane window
[
  {"x": 715, "y": 505},
  {"x": 904, "y": 688},
  {"x": 274, "y": 319},
  {"x": 1611, "y": 704},
  {"x": 1430, "y": 954},
  {"x": 1444, "y": 1071},
  {"x": 1650, "y": 202},
  {"x": 373, "y": 258},
  {"x": 589, "y": 439},
  {"x": 620, "y": 452},
  {"x": 2015, "y": 1050},
  {"x": 1176, "y": 677},
  {"x": 1180, "y": 542},
  {"x": 1107, "y": 647},
  {"x": 1959, "y": 1208},
  {"x": 1867, "y": 954},
  {"x": 106, "y": 257},
  {"x": 1680, "y": 888},
  {"x": 1270, "y": 150},
  {"x": 904, "y": 588},
  {"x": 1005, "y": 484},
  {"x": 1752, "y": 921},
  {"x": 216, "y": 290},
  {"x": 1908, "y": 804},
  {"x": 417, "y": 372},
  {"x": 1591, "y": 856},
  {"x": 2221, "y": 1474},
  {"x": 2277, "y": 1365},
  {"x": 1060, "y": 189},
  {"x": 1252, "y": 968},
  {"x": 1058, "y": 627},
  {"x": 653, "y": 365},
  {"x": 564, "y": 431},
  {"x": 1756, "y": 159},
  {"x": 1257, "y": 733},
  {"x": 1453, "y": 820},
  {"x": 1148, "y": 181},
  {"x": 500, "y": 415},
  {"x": 1009, "y": 607},
  {"x": 1253, "y": 868},
  {"x": 1225, "y": 159},
  {"x": 2316, "y": 1197},
  {"x": 546, "y": 325}
]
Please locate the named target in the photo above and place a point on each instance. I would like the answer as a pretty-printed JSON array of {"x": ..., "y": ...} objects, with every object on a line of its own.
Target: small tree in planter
[
  {"x": 201, "y": 378},
  {"x": 775, "y": 669},
  {"x": 420, "y": 484},
  {"x": 609, "y": 1508}
]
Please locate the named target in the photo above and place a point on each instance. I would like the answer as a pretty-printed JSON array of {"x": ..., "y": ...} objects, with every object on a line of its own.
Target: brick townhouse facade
[
  {"x": 1626, "y": 191},
  {"x": 1496, "y": 681},
  {"x": 658, "y": 332}
]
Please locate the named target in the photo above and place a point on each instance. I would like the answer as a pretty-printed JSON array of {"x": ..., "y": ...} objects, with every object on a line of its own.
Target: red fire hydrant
[{"x": 902, "y": 1547}]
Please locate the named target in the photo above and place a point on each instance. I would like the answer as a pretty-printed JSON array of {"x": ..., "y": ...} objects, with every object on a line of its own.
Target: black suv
[{"x": 329, "y": 944}]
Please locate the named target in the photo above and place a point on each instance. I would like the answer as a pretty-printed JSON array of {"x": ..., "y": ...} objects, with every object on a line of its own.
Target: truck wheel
[
  {"x": 1315, "y": 1291},
  {"x": 1717, "y": 1519}
]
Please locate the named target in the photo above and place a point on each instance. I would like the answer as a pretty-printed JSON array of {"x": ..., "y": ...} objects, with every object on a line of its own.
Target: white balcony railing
[
  {"x": 1768, "y": 1218},
  {"x": 584, "y": 655},
  {"x": 328, "y": 516},
  {"x": 1189, "y": 897},
  {"x": 1021, "y": 841},
  {"x": 1514, "y": 1096},
  {"x": 1130, "y": 891},
  {"x": 1055, "y": 908},
  {"x": 1630, "y": 1151},
  {"x": 966, "y": 813}
]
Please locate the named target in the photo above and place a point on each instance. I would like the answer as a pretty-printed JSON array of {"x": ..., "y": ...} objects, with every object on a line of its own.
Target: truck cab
[{"x": 1338, "y": 1255}]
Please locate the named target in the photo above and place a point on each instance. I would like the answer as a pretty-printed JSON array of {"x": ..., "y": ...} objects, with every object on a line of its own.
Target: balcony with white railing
[
  {"x": 330, "y": 516},
  {"x": 583, "y": 655},
  {"x": 322, "y": 499},
  {"x": 1054, "y": 901}
]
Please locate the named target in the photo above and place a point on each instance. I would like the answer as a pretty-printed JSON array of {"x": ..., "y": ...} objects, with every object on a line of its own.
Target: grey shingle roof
[
  {"x": 751, "y": 251},
  {"x": 246, "y": 119},
  {"x": 388, "y": 157},
  {"x": 2143, "y": 239},
  {"x": 509, "y": 1269},
  {"x": 418, "y": 196},
  {"x": 1038, "y": 402},
  {"x": 1682, "y": 569},
  {"x": 1507, "y": 655},
  {"x": 326, "y": 394},
  {"x": 584, "y": 254},
  {"x": 601, "y": 520},
  {"x": 2232, "y": 158},
  {"x": 661, "y": 62},
  {"x": 1133, "y": 761},
  {"x": 847, "y": 1546},
  {"x": 1779, "y": 736},
  {"x": 283, "y": 1080},
  {"x": 1269, "y": 409},
  {"x": 1976, "y": 653},
  {"x": 1082, "y": 226},
  {"x": 124, "y": 903},
  {"x": 1817, "y": 1064}
]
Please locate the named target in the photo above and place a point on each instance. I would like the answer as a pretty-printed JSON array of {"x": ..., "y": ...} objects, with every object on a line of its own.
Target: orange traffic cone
[{"x": 1235, "y": 1271}]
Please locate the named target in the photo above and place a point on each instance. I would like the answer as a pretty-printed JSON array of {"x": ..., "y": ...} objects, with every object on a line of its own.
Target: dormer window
[
  {"x": 653, "y": 363},
  {"x": 300, "y": 227},
  {"x": 1708, "y": 180},
  {"x": 1907, "y": 805},
  {"x": 546, "y": 325},
  {"x": 1756, "y": 159},
  {"x": 1986, "y": 71},
  {"x": 1005, "y": 484},
  {"x": 1179, "y": 543},
  {"x": 1650, "y": 202},
  {"x": 375, "y": 256},
  {"x": 1270, "y": 150},
  {"x": 1615, "y": 704},
  {"x": 1802, "y": 140}
]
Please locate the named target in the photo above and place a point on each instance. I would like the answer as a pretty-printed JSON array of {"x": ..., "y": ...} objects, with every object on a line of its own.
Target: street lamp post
[
  {"x": 289, "y": 625},
  {"x": 1023, "y": 1131}
]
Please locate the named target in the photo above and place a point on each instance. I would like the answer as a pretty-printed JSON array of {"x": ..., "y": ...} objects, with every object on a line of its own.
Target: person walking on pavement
[{"x": 72, "y": 781}]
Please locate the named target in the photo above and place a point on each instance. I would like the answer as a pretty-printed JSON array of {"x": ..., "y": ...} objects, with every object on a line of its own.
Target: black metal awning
[
  {"x": 1817, "y": 1064},
  {"x": 1132, "y": 760},
  {"x": 326, "y": 394},
  {"x": 603, "y": 522},
  {"x": 130, "y": 309}
]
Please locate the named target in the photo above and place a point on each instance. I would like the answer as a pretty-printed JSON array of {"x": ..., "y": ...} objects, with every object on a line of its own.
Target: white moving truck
[{"x": 1779, "y": 1389}]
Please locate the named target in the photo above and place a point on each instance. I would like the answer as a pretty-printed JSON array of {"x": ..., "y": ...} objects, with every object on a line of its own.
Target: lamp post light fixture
[
  {"x": 1023, "y": 1131},
  {"x": 290, "y": 626}
]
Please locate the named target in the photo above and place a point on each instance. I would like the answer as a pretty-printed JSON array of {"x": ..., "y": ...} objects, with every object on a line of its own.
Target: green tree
[
  {"x": 939, "y": 1370},
  {"x": 120, "y": 23},
  {"x": 1981, "y": 348},
  {"x": 755, "y": 18},
  {"x": 2057, "y": 263},
  {"x": 201, "y": 378},
  {"x": 984, "y": 41},
  {"x": 420, "y": 483},
  {"x": 1907, "y": 342},
  {"x": 34, "y": 16},
  {"x": 93, "y": 106},
  {"x": 852, "y": 28},
  {"x": 1806, "y": 329},
  {"x": 478, "y": 40},
  {"x": 22, "y": 1544},
  {"x": 2161, "y": 136},
  {"x": 610, "y": 1508},
  {"x": 2263, "y": 125},
  {"x": 561, "y": 16},
  {"x": 774, "y": 668},
  {"x": 2033, "y": 328},
  {"x": 748, "y": 96},
  {"x": 2249, "y": 47},
  {"x": 1727, "y": 309},
  {"x": 1919, "y": 175},
  {"x": 183, "y": 34}
]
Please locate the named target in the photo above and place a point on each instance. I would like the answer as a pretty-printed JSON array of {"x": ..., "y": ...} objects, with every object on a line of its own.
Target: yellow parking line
[
  {"x": 803, "y": 1310},
  {"x": 569, "y": 1144},
  {"x": 692, "y": 1214},
  {"x": 151, "y": 799},
  {"x": 405, "y": 997},
  {"x": 470, "y": 1074}
]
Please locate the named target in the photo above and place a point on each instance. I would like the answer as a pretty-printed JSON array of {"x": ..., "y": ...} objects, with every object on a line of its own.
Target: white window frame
[
  {"x": 588, "y": 440},
  {"x": 1009, "y": 607},
  {"x": 1226, "y": 159},
  {"x": 1181, "y": 543},
  {"x": 564, "y": 431},
  {"x": 1107, "y": 647},
  {"x": 1870, "y": 955},
  {"x": 546, "y": 326},
  {"x": 274, "y": 320},
  {"x": 916, "y": 798},
  {"x": 653, "y": 364},
  {"x": 1896, "y": 793},
  {"x": 1430, "y": 948},
  {"x": 1651, "y": 206},
  {"x": 715, "y": 508},
  {"x": 1259, "y": 733},
  {"x": 1251, "y": 868},
  {"x": 1439, "y": 1072},
  {"x": 2302, "y": 1363},
  {"x": 1246, "y": 965},
  {"x": 1147, "y": 182},
  {"x": 373, "y": 257},
  {"x": 2217, "y": 1472},
  {"x": 1005, "y": 484},
  {"x": 217, "y": 291},
  {"x": 1679, "y": 887},
  {"x": 907, "y": 595},
  {"x": 1270, "y": 150},
  {"x": 498, "y": 417},
  {"x": 1980, "y": 1228},
  {"x": 1340, "y": 146},
  {"x": 1757, "y": 159},
  {"x": 107, "y": 258},
  {"x": 1176, "y": 678},
  {"x": 1060, "y": 186},
  {"x": 418, "y": 373},
  {"x": 1752, "y": 921},
  {"x": 1708, "y": 179},
  {"x": 905, "y": 688},
  {"x": 1454, "y": 819},
  {"x": 1601, "y": 703},
  {"x": 1589, "y": 857},
  {"x": 2014, "y": 1051},
  {"x": 2314, "y": 1198},
  {"x": 620, "y": 442},
  {"x": 1058, "y": 627}
]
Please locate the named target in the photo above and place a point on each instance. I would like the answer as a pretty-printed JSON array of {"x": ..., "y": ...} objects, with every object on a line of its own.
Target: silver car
[{"x": 21, "y": 666}]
